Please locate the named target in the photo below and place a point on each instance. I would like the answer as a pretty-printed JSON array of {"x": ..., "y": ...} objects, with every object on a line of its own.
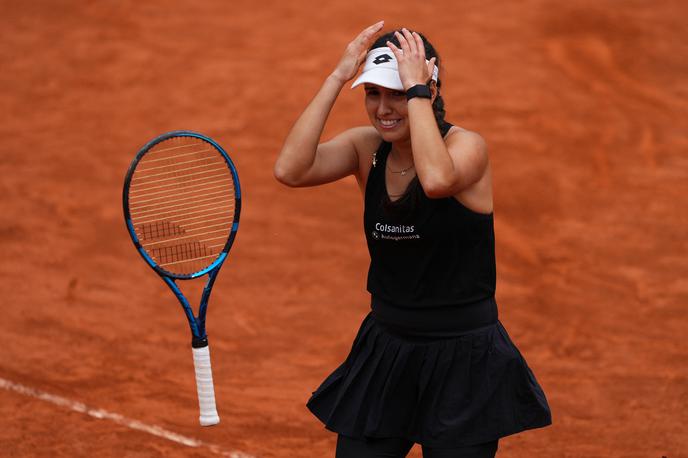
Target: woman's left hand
[{"x": 413, "y": 69}]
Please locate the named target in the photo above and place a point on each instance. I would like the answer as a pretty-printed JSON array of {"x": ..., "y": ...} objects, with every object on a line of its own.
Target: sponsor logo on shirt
[{"x": 394, "y": 232}]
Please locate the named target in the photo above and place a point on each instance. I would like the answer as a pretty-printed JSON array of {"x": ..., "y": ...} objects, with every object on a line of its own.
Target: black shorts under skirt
[{"x": 472, "y": 388}]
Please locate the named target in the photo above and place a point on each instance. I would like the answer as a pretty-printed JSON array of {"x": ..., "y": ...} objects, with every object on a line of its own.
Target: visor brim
[{"x": 385, "y": 77}]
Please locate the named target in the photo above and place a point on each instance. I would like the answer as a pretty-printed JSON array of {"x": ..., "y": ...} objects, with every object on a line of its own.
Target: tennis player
[{"x": 431, "y": 363}]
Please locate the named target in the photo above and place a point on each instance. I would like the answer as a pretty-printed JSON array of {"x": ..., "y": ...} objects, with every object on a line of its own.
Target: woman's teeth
[{"x": 388, "y": 122}]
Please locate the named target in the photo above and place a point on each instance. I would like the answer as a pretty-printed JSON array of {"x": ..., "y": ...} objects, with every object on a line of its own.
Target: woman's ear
[{"x": 433, "y": 90}]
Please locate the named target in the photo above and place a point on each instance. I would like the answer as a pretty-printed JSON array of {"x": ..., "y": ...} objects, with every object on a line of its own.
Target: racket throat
[{"x": 199, "y": 342}]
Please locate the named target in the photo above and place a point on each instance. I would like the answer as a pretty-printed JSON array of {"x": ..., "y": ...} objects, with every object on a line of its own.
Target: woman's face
[{"x": 388, "y": 112}]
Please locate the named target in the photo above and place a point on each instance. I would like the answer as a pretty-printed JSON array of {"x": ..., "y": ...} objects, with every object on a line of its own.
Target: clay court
[{"x": 584, "y": 106}]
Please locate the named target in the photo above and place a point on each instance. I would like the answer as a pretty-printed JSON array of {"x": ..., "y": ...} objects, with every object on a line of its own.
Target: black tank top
[{"x": 430, "y": 270}]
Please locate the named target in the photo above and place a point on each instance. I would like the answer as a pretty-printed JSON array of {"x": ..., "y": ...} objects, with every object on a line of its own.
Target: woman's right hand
[{"x": 355, "y": 53}]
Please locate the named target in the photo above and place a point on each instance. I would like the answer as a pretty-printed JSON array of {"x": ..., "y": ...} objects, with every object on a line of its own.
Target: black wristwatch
[{"x": 419, "y": 90}]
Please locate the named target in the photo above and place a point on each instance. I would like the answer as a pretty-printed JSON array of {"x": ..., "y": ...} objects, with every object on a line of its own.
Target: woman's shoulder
[
  {"x": 460, "y": 135},
  {"x": 364, "y": 136},
  {"x": 455, "y": 130},
  {"x": 365, "y": 139}
]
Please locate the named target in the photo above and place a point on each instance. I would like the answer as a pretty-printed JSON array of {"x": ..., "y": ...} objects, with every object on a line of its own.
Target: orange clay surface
[{"x": 584, "y": 106}]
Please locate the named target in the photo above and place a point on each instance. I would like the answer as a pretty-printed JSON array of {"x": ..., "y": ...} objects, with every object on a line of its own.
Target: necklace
[{"x": 402, "y": 172}]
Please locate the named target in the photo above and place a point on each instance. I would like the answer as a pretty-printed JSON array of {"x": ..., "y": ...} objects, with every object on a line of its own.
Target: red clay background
[{"x": 584, "y": 105}]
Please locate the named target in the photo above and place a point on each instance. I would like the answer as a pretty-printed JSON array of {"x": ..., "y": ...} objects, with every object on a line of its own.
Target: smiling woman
[
  {"x": 431, "y": 364},
  {"x": 387, "y": 110}
]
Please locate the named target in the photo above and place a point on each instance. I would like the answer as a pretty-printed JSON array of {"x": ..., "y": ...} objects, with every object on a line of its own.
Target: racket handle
[{"x": 204, "y": 385}]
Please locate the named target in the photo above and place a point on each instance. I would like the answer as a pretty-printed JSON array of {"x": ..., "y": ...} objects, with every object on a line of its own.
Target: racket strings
[
  {"x": 171, "y": 187},
  {"x": 143, "y": 209},
  {"x": 181, "y": 199},
  {"x": 160, "y": 229},
  {"x": 164, "y": 195},
  {"x": 180, "y": 210},
  {"x": 180, "y": 253},
  {"x": 198, "y": 172}
]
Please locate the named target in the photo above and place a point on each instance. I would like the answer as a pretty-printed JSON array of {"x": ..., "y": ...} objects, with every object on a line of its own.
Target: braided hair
[{"x": 405, "y": 206}]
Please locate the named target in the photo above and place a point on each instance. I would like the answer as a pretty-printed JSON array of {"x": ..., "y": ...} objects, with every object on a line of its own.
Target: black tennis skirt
[{"x": 470, "y": 388}]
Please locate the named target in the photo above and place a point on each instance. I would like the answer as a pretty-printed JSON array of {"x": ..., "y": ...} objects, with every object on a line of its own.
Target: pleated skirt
[{"x": 467, "y": 389}]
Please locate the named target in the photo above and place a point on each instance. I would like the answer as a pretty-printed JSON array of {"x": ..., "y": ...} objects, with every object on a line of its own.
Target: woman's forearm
[
  {"x": 433, "y": 163},
  {"x": 298, "y": 152}
]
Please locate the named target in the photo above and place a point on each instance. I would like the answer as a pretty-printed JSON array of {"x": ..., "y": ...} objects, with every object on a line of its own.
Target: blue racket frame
[{"x": 196, "y": 323}]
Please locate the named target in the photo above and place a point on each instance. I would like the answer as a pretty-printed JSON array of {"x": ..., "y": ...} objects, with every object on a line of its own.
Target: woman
[{"x": 431, "y": 363}]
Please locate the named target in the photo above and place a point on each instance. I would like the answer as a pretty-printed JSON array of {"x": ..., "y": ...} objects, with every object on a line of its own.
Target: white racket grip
[{"x": 204, "y": 385}]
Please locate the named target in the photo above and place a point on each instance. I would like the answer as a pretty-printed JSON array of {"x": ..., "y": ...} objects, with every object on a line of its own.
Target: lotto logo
[{"x": 382, "y": 58}]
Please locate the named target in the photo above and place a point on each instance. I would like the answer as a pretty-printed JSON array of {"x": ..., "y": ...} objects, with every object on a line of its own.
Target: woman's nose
[{"x": 384, "y": 107}]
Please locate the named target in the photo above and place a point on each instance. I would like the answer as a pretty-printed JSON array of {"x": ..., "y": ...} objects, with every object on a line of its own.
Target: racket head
[{"x": 182, "y": 201}]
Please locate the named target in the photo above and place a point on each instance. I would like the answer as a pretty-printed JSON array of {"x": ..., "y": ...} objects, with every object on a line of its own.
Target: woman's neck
[{"x": 402, "y": 152}]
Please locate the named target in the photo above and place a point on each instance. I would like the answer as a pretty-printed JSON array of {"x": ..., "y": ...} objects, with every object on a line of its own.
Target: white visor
[{"x": 381, "y": 68}]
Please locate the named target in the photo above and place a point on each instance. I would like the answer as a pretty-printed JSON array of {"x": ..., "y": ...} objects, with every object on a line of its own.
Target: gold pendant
[{"x": 403, "y": 172}]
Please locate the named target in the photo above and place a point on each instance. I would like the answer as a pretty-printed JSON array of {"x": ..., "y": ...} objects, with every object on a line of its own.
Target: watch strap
[{"x": 419, "y": 90}]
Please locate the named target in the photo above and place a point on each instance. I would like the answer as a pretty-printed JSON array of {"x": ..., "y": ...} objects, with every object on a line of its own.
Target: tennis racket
[{"x": 181, "y": 206}]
